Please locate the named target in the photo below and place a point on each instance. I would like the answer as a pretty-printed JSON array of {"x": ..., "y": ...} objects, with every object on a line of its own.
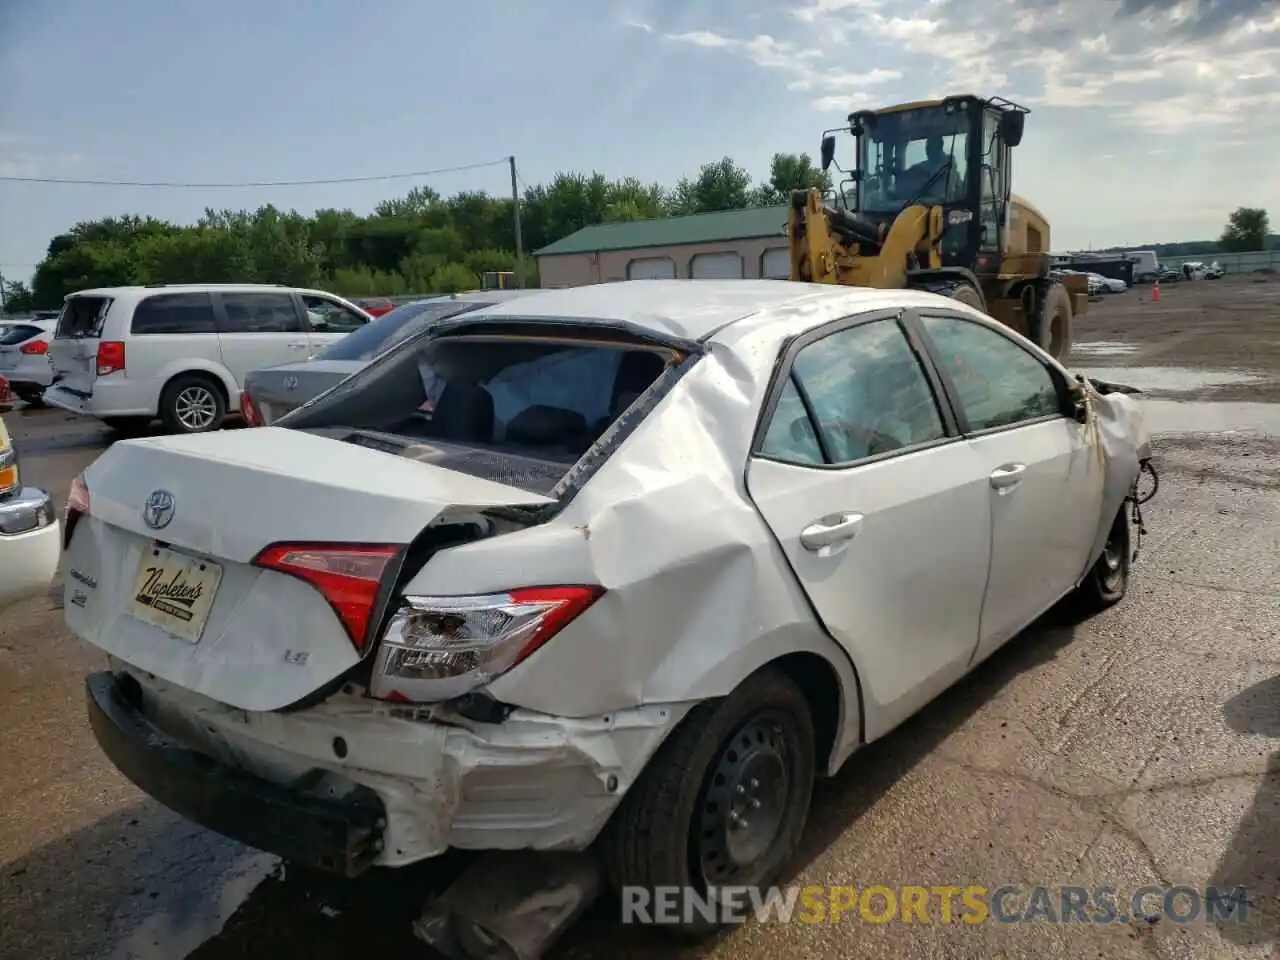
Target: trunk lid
[
  {"x": 73, "y": 354},
  {"x": 278, "y": 390},
  {"x": 267, "y": 639}
]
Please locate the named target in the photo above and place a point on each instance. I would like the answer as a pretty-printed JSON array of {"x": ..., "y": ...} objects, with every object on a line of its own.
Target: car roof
[
  {"x": 691, "y": 309},
  {"x": 138, "y": 290}
]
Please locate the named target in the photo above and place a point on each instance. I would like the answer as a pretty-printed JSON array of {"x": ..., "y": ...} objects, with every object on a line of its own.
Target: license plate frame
[{"x": 162, "y": 592}]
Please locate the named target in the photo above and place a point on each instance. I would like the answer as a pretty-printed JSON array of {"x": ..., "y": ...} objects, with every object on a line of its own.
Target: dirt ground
[
  {"x": 1142, "y": 746},
  {"x": 1227, "y": 324}
]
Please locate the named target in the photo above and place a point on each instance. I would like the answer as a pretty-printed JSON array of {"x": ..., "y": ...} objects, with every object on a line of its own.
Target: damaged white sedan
[{"x": 619, "y": 568}]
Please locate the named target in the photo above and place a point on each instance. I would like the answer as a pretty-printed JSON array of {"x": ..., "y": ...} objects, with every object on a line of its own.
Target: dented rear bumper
[
  {"x": 531, "y": 781},
  {"x": 304, "y": 822}
]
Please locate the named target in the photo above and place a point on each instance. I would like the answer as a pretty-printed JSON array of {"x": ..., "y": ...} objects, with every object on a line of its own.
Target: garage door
[
  {"x": 652, "y": 268},
  {"x": 776, "y": 264},
  {"x": 716, "y": 266}
]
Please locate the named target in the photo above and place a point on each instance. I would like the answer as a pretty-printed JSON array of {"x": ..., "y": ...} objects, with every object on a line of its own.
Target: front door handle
[
  {"x": 1007, "y": 476},
  {"x": 821, "y": 535},
  {"x": 297, "y": 346}
]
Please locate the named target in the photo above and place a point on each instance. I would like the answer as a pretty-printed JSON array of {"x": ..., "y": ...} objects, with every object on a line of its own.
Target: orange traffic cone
[{"x": 1155, "y": 292}]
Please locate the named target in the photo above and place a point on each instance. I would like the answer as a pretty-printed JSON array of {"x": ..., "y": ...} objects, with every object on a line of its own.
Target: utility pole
[
  {"x": 4, "y": 307},
  {"x": 515, "y": 201}
]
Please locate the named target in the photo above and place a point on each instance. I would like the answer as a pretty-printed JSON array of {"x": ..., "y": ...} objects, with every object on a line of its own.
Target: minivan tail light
[
  {"x": 34, "y": 348},
  {"x": 349, "y": 576},
  {"x": 440, "y": 648},
  {"x": 110, "y": 357}
]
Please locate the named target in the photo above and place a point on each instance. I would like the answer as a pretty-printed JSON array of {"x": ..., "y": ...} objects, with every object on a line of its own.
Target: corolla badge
[
  {"x": 157, "y": 512},
  {"x": 291, "y": 383}
]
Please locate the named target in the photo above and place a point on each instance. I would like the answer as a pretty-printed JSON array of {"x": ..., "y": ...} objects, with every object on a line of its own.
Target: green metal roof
[{"x": 672, "y": 231}]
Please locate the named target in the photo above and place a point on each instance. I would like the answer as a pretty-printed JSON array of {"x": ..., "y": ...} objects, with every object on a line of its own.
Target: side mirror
[
  {"x": 828, "y": 151},
  {"x": 1011, "y": 127}
]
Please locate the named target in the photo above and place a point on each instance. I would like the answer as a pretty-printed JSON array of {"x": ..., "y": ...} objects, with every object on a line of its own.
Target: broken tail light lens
[
  {"x": 110, "y": 357},
  {"x": 349, "y": 576},
  {"x": 439, "y": 648}
]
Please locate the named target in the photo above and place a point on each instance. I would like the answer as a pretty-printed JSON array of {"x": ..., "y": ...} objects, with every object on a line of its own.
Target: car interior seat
[{"x": 464, "y": 413}]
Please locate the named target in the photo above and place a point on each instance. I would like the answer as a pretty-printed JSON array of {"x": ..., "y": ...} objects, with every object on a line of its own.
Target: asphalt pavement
[{"x": 1138, "y": 748}]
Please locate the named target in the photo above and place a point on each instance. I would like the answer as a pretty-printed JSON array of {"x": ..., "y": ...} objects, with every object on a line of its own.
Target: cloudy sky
[{"x": 1151, "y": 120}]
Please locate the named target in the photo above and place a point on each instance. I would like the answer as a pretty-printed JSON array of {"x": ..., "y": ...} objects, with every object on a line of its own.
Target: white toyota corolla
[{"x": 621, "y": 567}]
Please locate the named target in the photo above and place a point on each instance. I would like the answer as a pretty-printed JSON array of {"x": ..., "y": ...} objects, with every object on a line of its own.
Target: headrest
[{"x": 547, "y": 426}]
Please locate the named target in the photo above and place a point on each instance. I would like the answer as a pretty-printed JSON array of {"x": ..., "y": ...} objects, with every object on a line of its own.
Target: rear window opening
[
  {"x": 518, "y": 410},
  {"x": 82, "y": 317}
]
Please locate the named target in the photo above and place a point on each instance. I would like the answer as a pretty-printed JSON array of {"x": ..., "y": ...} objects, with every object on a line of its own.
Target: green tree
[
  {"x": 453, "y": 278},
  {"x": 1247, "y": 229},
  {"x": 722, "y": 185},
  {"x": 788, "y": 172},
  {"x": 17, "y": 296}
]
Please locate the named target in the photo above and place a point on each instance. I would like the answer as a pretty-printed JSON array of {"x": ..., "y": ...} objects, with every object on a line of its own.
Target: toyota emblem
[
  {"x": 157, "y": 512},
  {"x": 290, "y": 383}
]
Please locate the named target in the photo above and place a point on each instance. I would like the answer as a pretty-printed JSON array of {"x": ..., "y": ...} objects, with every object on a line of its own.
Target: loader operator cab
[{"x": 954, "y": 153}]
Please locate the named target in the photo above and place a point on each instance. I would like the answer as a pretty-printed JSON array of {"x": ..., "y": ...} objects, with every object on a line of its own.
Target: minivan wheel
[
  {"x": 192, "y": 403},
  {"x": 722, "y": 803}
]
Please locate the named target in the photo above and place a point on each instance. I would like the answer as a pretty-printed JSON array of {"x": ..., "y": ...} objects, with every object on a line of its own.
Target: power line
[{"x": 418, "y": 174}]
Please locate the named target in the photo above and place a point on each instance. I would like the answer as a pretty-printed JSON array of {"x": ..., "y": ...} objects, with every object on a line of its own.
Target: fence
[{"x": 1231, "y": 262}]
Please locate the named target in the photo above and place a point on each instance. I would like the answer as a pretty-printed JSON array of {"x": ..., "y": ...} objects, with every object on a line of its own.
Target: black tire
[
  {"x": 673, "y": 828},
  {"x": 1055, "y": 331},
  {"x": 193, "y": 403},
  {"x": 32, "y": 396},
  {"x": 966, "y": 293},
  {"x": 1108, "y": 579},
  {"x": 128, "y": 426}
]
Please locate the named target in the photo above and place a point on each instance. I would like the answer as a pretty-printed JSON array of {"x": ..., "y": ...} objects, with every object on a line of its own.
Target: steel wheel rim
[
  {"x": 196, "y": 408},
  {"x": 746, "y": 802},
  {"x": 1113, "y": 561}
]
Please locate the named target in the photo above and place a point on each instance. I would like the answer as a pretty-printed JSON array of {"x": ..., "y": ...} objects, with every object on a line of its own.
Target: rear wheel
[
  {"x": 1055, "y": 331},
  {"x": 724, "y": 800},
  {"x": 192, "y": 403}
]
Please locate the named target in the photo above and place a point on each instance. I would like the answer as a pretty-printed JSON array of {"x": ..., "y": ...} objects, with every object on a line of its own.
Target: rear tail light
[
  {"x": 77, "y": 507},
  {"x": 34, "y": 348},
  {"x": 439, "y": 648},
  {"x": 348, "y": 575},
  {"x": 249, "y": 410},
  {"x": 110, "y": 357}
]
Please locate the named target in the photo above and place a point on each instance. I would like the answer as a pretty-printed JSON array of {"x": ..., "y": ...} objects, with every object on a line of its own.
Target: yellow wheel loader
[{"x": 928, "y": 206}]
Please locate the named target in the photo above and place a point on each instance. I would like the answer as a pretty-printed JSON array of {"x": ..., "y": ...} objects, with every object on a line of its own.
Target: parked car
[
  {"x": 1214, "y": 271},
  {"x": 30, "y": 535},
  {"x": 1107, "y": 284},
  {"x": 574, "y": 575},
  {"x": 376, "y": 307},
  {"x": 127, "y": 355},
  {"x": 1095, "y": 285},
  {"x": 1170, "y": 274},
  {"x": 269, "y": 394},
  {"x": 24, "y": 358}
]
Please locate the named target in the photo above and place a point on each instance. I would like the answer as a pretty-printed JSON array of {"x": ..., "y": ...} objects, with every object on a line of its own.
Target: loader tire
[
  {"x": 966, "y": 294},
  {"x": 1055, "y": 332}
]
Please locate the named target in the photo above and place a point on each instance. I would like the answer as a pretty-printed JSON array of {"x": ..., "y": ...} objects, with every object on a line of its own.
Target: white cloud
[
  {"x": 1160, "y": 67},
  {"x": 19, "y": 157}
]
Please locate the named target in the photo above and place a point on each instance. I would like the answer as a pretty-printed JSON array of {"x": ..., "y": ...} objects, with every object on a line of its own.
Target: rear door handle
[
  {"x": 297, "y": 346},
  {"x": 1007, "y": 476},
  {"x": 835, "y": 531}
]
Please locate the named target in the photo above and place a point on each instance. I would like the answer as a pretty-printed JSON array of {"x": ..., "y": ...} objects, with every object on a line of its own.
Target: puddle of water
[
  {"x": 1172, "y": 379},
  {"x": 1104, "y": 348},
  {"x": 1179, "y": 416},
  {"x": 196, "y": 913}
]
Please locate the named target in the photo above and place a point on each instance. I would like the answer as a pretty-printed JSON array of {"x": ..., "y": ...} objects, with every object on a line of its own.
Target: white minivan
[{"x": 126, "y": 355}]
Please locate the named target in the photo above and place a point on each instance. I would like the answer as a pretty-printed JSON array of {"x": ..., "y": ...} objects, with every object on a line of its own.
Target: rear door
[
  {"x": 880, "y": 507},
  {"x": 74, "y": 351},
  {"x": 166, "y": 329},
  {"x": 259, "y": 329},
  {"x": 1044, "y": 480},
  {"x": 328, "y": 321}
]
